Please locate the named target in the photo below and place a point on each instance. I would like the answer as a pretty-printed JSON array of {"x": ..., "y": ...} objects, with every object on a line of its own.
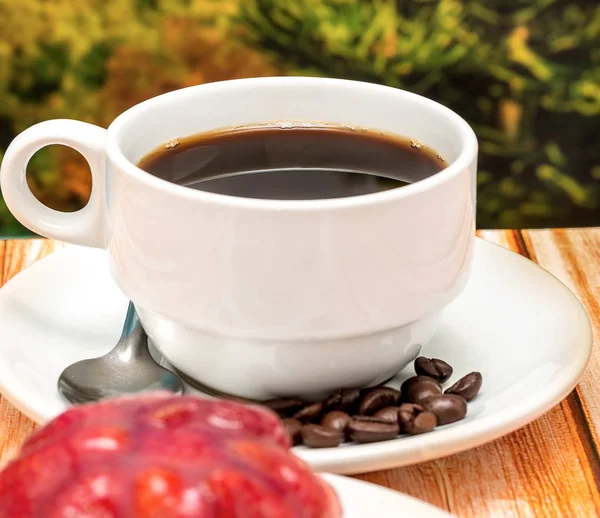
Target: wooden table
[{"x": 549, "y": 468}]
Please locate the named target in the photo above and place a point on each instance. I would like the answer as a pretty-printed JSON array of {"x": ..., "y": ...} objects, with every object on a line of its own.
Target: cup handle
[{"x": 84, "y": 227}]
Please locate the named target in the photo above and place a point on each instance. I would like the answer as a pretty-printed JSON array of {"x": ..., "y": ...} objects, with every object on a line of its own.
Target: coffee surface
[{"x": 298, "y": 163}]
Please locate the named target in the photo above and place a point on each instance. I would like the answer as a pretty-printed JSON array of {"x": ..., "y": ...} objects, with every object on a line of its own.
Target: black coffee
[{"x": 301, "y": 163}]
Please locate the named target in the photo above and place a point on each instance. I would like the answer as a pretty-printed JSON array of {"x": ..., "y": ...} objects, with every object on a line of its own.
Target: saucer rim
[
  {"x": 396, "y": 453},
  {"x": 355, "y": 489},
  {"x": 483, "y": 430}
]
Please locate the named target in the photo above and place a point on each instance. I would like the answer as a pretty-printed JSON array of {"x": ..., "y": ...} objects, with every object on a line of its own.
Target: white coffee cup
[{"x": 265, "y": 298}]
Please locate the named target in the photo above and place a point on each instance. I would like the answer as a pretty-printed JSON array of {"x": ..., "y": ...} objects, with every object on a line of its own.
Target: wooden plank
[
  {"x": 511, "y": 239},
  {"x": 18, "y": 254},
  {"x": 574, "y": 257},
  {"x": 540, "y": 470},
  {"x": 545, "y": 469},
  {"x": 14, "y": 429},
  {"x": 549, "y": 468}
]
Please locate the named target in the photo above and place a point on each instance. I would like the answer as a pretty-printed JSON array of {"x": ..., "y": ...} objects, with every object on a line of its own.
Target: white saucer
[
  {"x": 515, "y": 323},
  {"x": 363, "y": 500}
]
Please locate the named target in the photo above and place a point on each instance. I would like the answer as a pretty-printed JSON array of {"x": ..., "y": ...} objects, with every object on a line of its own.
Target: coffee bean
[
  {"x": 389, "y": 413},
  {"x": 418, "y": 388},
  {"x": 343, "y": 399},
  {"x": 317, "y": 436},
  {"x": 378, "y": 398},
  {"x": 424, "y": 367},
  {"x": 408, "y": 383},
  {"x": 335, "y": 420},
  {"x": 447, "y": 407},
  {"x": 365, "y": 429},
  {"x": 350, "y": 397},
  {"x": 407, "y": 412},
  {"x": 311, "y": 412},
  {"x": 467, "y": 387},
  {"x": 284, "y": 407},
  {"x": 414, "y": 419},
  {"x": 293, "y": 427},
  {"x": 444, "y": 369},
  {"x": 424, "y": 422},
  {"x": 435, "y": 368},
  {"x": 372, "y": 415},
  {"x": 333, "y": 402}
]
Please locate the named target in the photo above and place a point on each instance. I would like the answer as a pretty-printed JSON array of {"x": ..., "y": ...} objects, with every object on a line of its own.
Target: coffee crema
[{"x": 293, "y": 163}]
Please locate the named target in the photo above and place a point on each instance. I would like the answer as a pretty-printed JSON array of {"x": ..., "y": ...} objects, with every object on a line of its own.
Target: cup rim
[{"x": 466, "y": 157}]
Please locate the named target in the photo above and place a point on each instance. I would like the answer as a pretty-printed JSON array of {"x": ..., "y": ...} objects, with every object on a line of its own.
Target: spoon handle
[
  {"x": 133, "y": 336},
  {"x": 132, "y": 321}
]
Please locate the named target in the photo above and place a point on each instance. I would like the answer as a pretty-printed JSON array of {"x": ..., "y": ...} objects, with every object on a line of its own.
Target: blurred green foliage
[
  {"x": 93, "y": 59},
  {"x": 524, "y": 73}
]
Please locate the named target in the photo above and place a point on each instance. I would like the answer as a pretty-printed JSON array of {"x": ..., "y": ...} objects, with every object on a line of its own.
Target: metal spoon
[{"x": 127, "y": 369}]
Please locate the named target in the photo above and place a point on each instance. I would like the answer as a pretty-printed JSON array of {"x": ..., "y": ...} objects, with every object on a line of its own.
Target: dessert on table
[{"x": 159, "y": 456}]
